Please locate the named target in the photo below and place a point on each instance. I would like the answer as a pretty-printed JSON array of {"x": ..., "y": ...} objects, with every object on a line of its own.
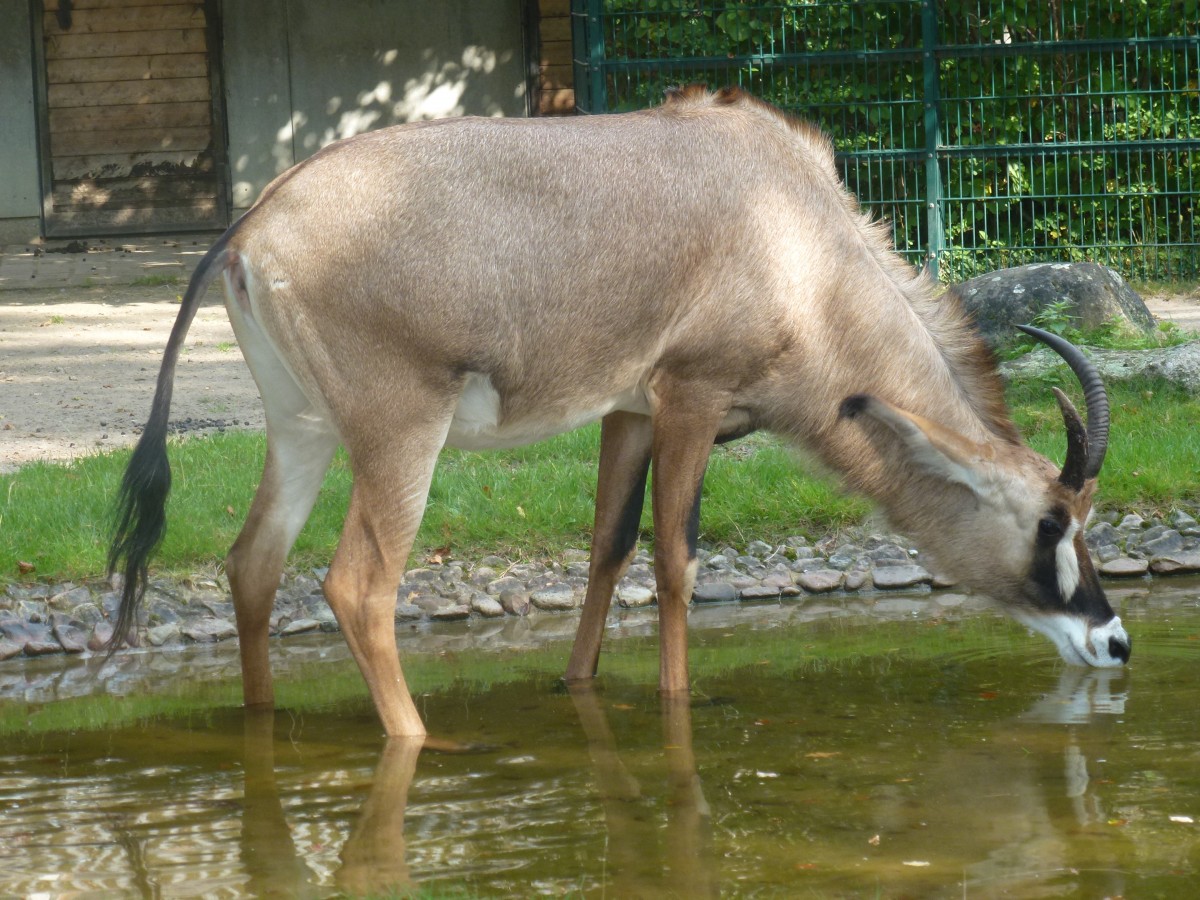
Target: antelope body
[{"x": 686, "y": 274}]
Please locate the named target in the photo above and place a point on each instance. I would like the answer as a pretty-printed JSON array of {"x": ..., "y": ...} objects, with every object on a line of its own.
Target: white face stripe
[{"x": 1067, "y": 563}]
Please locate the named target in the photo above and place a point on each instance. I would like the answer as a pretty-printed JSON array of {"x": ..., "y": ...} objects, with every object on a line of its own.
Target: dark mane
[
  {"x": 692, "y": 97},
  {"x": 968, "y": 356}
]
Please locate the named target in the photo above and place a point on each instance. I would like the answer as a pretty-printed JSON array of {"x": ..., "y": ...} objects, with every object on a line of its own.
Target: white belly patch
[{"x": 476, "y": 424}]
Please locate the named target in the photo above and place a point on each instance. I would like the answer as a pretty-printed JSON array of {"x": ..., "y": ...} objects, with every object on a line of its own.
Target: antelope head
[{"x": 1005, "y": 521}]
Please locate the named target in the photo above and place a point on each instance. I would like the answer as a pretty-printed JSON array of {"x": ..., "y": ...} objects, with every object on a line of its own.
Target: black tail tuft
[
  {"x": 141, "y": 523},
  {"x": 141, "y": 519}
]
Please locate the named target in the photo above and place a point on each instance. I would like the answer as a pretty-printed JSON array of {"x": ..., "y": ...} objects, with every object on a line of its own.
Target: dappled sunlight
[
  {"x": 391, "y": 88},
  {"x": 436, "y": 93}
]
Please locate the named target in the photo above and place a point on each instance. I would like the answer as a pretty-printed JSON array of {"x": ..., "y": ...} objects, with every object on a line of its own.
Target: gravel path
[{"x": 78, "y": 365}]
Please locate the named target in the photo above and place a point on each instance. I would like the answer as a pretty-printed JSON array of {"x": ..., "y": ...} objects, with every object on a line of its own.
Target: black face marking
[
  {"x": 1044, "y": 576},
  {"x": 1088, "y": 600}
]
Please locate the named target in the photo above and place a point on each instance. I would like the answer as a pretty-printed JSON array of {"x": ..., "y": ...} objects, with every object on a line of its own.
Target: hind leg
[
  {"x": 298, "y": 454},
  {"x": 300, "y": 443},
  {"x": 393, "y": 467}
]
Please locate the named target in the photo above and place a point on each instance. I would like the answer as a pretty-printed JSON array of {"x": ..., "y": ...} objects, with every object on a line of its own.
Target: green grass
[
  {"x": 157, "y": 280},
  {"x": 1179, "y": 287},
  {"x": 535, "y": 501},
  {"x": 1153, "y": 462},
  {"x": 527, "y": 502}
]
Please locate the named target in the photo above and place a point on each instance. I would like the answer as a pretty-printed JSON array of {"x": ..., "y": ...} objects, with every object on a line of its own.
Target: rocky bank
[{"x": 39, "y": 619}]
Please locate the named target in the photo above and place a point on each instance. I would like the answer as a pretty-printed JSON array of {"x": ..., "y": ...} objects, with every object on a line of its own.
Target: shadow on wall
[{"x": 473, "y": 83}]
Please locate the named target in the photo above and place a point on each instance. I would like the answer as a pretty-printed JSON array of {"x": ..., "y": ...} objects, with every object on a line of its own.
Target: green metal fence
[{"x": 990, "y": 133}]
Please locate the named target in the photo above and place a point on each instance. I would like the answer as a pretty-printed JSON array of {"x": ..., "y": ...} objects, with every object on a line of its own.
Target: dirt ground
[
  {"x": 1182, "y": 309},
  {"x": 78, "y": 365}
]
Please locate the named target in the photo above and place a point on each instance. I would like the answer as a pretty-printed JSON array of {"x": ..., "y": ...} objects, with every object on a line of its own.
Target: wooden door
[{"x": 129, "y": 141}]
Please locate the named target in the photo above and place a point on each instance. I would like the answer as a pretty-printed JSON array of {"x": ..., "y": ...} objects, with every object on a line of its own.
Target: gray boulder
[
  {"x": 1179, "y": 365},
  {"x": 1008, "y": 297}
]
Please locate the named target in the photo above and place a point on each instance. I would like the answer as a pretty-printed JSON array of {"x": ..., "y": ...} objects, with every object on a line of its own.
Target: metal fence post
[
  {"x": 935, "y": 227},
  {"x": 587, "y": 39}
]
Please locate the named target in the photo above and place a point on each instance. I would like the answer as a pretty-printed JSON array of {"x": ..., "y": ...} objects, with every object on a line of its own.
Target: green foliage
[
  {"x": 1113, "y": 334},
  {"x": 1059, "y": 162}
]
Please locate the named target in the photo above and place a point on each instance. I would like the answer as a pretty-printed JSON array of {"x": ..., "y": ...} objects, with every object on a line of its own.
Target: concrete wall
[
  {"x": 20, "y": 185},
  {"x": 302, "y": 73},
  {"x": 258, "y": 95}
]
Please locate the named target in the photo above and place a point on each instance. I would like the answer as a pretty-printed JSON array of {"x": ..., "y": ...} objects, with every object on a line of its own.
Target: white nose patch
[
  {"x": 1067, "y": 563},
  {"x": 1076, "y": 642},
  {"x": 1102, "y": 636}
]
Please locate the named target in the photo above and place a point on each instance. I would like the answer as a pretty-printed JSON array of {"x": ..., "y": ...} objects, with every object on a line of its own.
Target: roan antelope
[{"x": 685, "y": 274}]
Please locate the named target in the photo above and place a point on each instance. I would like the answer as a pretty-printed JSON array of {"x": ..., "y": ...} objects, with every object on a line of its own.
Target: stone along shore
[{"x": 858, "y": 565}]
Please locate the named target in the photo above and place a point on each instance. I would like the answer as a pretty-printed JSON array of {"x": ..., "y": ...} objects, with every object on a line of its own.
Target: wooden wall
[
  {"x": 130, "y": 117},
  {"x": 130, "y": 90},
  {"x": 555, "y": 88}
]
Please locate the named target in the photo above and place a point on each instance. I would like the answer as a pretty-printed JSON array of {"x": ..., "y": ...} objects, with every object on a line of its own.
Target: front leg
[
  {"x": 687, "y": 419},
  {"x": 625, "y": 442}
]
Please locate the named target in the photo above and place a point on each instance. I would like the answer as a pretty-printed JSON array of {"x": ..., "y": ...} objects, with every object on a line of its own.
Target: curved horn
[
  {"x": 1084, "y": 458},
  {"x": 1077, "y": 443}
]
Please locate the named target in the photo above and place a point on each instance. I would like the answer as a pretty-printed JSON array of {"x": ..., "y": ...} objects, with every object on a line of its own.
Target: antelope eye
[{"x": 1050, "y": 528}]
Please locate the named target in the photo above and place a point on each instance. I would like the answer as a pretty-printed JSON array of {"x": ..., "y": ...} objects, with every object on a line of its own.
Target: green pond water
[{"x": 932, "y": 754}]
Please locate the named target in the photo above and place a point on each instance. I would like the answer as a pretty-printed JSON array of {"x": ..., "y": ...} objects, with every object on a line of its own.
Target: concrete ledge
[{"x": 20, "y": 231}]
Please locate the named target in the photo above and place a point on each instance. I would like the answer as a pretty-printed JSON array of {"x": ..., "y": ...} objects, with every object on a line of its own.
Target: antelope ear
[{"x": 930, "y": 447}]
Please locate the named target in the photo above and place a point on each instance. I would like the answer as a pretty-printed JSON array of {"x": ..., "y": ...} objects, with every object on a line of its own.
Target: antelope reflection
[
  {"x": 373, "y": 857},
  {"x": 1005, "y": 810},
  {"x": 687, "y": 866},
  {"x": 1013, "y": 809}
]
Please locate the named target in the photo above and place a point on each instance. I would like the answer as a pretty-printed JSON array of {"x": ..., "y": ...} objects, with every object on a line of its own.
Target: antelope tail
[{"x": 141, "y": 518}]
